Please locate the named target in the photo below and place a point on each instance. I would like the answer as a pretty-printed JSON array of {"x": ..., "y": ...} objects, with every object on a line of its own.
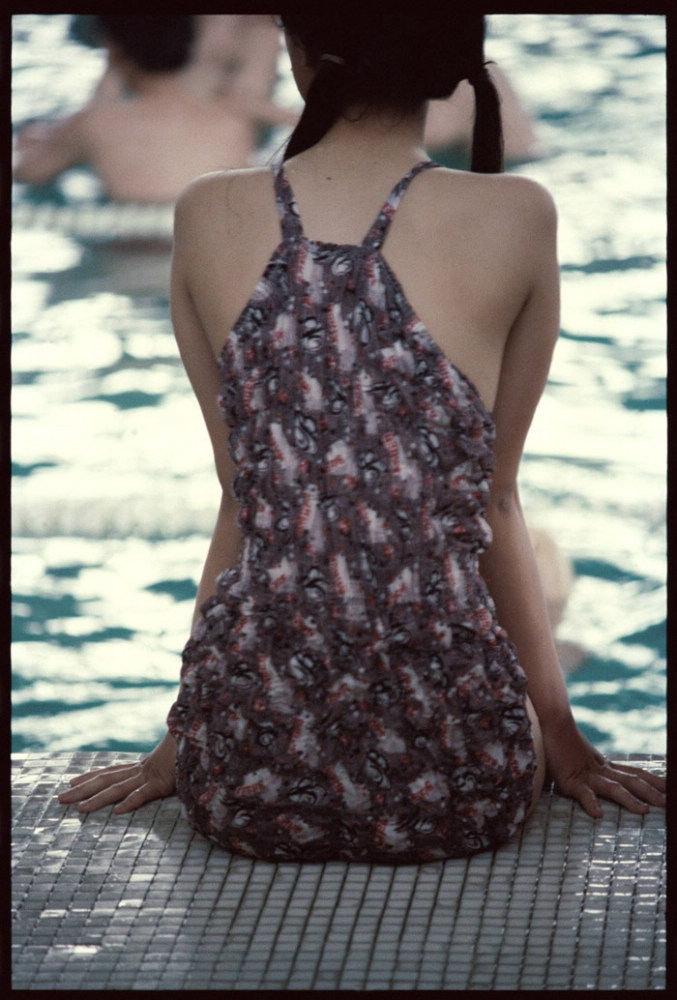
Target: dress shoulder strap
[
  {"x": 379, "y": 229},
  {"x": 290, "y": 219},
  {"x": 287, "y": 209}
]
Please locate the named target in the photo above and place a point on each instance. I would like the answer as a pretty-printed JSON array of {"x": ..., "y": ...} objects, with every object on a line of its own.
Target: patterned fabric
[{"x": 348, "y": 693}]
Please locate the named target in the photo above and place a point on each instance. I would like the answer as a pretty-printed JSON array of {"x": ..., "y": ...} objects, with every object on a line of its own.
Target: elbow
[
  {"x": 504, "y": 503},
  {"x": 504, "y": 498},
  {"x": 26, "y": 170},
  {"x": 42, "y": 151},
  {"x": 21, "y": 172}
]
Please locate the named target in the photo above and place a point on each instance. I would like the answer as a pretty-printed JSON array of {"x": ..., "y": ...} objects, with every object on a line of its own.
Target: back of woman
[
  {"x": 377, "y": 331},
  {"x": 367, "y": 704}
]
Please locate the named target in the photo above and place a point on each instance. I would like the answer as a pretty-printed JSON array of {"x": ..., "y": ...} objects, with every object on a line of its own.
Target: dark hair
[
  {"x": 82, "y": 29},
  {"x": 395, "y": 61},
  {"x": 155, "y": 43}
]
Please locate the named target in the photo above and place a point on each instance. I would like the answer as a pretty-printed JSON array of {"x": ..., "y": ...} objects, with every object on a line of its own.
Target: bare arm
[
  {"x": 201, "y": 367},
  {"x": 43, "y": 150},
  {"x": 509, "y": 565},
  {"x": 129, "y": 786}
]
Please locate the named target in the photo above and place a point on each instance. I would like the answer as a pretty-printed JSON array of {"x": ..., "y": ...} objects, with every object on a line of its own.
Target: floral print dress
[{"x": 348, "y": 692}]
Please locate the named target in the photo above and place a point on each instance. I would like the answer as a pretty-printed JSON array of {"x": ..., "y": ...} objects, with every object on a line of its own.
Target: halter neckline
[{"x": 290, "y": 219}]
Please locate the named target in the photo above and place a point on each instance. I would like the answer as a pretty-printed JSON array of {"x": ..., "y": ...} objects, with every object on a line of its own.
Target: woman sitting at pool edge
[{"x": 371, "y": 675}]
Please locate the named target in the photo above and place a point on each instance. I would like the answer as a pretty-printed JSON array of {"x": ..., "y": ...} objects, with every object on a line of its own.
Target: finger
[
  {"x": 110, "y": 795},
  {"x": 114, "y": 768},
  {"x": 85, "y": 789},
  {"x": 136, "y": 798},
  {"x": 615, "y": 791},
  {"x": 636, "y": 784},
  {"x": 589, "y": 801},
  {"x": 101, "y": 791},
  {"x": 657, "y": 781},
  {"x": 95, "y": 783}
]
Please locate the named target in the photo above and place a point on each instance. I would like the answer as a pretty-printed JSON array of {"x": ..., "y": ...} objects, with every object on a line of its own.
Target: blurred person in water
[
  {"x": 449, "y": 126},
  {"x": 236, "y": 51},
  {"x": 149, "y": 130}
]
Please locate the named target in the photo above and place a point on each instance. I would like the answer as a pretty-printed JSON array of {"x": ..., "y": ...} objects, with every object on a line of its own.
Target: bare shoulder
[
  {"x": 489, "y": 199},
  {"x": 522, "y": 198},
  {"x": 234, "y": 192},
  {"x": 225, "y": 230},
  {"x": 518, "y": 188},
  {"x": 226, "y": 217},
  {"x": 508, "y": 222}
]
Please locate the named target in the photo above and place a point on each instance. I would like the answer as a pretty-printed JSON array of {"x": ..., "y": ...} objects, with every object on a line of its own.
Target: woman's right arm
[
  {"x": 129, "y": 786},
  {"x": 199, "y": 358}
]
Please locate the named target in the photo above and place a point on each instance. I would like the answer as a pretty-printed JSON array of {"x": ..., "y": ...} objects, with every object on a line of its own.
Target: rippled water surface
[{"x": 114, "y": 495}]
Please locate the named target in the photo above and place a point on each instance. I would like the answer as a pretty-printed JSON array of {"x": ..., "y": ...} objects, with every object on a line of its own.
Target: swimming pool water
[{"x": 114, "y": 495}]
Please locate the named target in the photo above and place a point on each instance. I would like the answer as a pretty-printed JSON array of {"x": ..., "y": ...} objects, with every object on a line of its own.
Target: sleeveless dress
[{"x": 348, "y": 693}]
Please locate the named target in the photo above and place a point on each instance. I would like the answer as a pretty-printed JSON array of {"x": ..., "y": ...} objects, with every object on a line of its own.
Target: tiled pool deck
[{"x": 140, "y": 902}]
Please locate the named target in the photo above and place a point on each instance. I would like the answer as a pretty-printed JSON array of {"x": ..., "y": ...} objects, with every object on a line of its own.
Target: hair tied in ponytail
[
  {"x": 479, "y": 76},
  {"x": 393, "y": 63},
  {"x": 487, "y": 140}
]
